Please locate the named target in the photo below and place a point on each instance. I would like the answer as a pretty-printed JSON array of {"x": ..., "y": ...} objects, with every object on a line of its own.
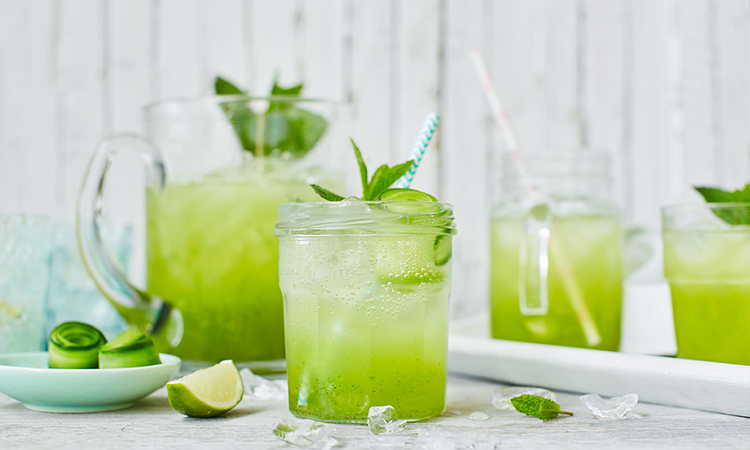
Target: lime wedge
[
  {"x": 207, "y": 392},
  {"x": 443, "y": 250}
]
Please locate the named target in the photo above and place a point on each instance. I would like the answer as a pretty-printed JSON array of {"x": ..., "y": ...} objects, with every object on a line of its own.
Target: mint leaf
[
  {"x": 362, "y": 169},
  {"x": 384, "y": 177},
  {"x": 293, "y": 91},
  {"x": 325, "y": 194},
  {"x": 284, "y": 127},
  {"x": 224, "y": 87},
  {"x": 732, "y": 216},
  {"x": 536, "y": 406}
]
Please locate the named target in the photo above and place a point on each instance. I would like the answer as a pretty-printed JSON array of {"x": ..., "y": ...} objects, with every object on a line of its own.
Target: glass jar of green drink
[
  {"x": 216, "y": 170},
  {"x": 366, "y": 287},
  {"x": 555, "y": 249},
  {"x": 707, "y": 264}
]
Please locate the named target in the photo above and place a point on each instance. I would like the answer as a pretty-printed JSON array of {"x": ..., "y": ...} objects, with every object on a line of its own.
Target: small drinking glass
[
  {"x": 366, "y": 288},
  {"x": 707, "y": 264},
  {"x": 24, "y": 278}
]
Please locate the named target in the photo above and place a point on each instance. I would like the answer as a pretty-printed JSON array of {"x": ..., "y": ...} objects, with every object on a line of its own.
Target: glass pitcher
[
  {"x": 555, "y": 250},
  {"x": 216, "y": 168}
]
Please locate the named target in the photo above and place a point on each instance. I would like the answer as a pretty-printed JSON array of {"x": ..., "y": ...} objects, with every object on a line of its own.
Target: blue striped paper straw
[{"x": 420, "y": 146}]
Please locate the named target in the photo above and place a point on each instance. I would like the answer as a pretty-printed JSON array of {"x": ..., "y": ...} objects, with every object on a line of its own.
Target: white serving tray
[{"x": 707, "y": 386}]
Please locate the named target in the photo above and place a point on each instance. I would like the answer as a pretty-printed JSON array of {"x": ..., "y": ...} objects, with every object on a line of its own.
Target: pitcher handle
[
  {"x": 139, "y": 308},
  {"x": 533, "y": 299}
]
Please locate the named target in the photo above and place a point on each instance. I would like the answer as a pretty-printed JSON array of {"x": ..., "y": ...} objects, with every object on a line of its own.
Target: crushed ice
[
  {"x": 614, "y": 408},
  {"x": 305, "y": 433},
  {"x": 261, "y": 388},
  {"x": 383, "y": 419},
  {"x": 479, "y": 415}
]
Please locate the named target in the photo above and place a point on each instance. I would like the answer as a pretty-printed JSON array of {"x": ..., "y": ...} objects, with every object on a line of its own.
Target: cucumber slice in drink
[
  {"x": 443, "y": 250},
  {"x": 75, "y": 345},
  {"x": 207, "y": 392},
  {"x": 131, "y": 348}
]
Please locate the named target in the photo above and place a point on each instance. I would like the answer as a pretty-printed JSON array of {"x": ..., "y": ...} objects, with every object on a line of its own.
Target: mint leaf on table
[
  {"x": 734, "y": 216},
  {"x": 536, "y": 406},
  {"x": 284, "y": 126}
]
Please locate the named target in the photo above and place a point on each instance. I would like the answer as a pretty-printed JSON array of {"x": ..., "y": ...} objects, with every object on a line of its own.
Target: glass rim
[
  {"x": 685, "y": 206},
  {"x": 332, "y": 218},
  {"x": 220, "y": 99}
]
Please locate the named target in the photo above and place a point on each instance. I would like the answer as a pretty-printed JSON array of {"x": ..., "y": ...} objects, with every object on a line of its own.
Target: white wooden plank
[
  {"x": 603, "y": 93},
  {"x": 275, "y": 40},
  {"x": 80, "y": 81},
  {"x": 372, "y": 64},
  {"x": 561, "y": 74},
  {"x": 225, "y": 40},
  {"x": 517, "y": 54},
  {"x": 29, "y": 162},
  {"x": 322, "y": 40},
  {"x": 181, "y": 51},
  {"x": 731, "y": 34},
  {"x": 652, "y": 166},
  {"x": 416, "y": 85},
  {"x": 465, "y": 152},
  {"x": 692, "y": 103}
]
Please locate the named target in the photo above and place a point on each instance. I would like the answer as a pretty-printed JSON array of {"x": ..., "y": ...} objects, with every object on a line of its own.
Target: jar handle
[
  {"x": 137, "y": 307},
  {"x": 533, "y": 299}
]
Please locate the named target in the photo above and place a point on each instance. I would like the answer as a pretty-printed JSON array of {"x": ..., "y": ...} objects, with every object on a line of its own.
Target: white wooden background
[{"x": 663, "y": 85}]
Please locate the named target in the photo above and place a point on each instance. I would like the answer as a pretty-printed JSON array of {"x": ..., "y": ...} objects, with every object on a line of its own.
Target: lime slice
[
  {"x": 131, "y": 348},
  {"x": 207, "y": 392},
  {"x": 405, "y": 195}
]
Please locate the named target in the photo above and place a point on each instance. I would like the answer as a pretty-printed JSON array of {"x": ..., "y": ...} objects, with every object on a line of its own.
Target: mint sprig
[
  {"x": 283, "y": 126},
  {"x": 734, "y": 216},
  {"x": 381, "y": 180},
  {"x": 536, "y": 406}
]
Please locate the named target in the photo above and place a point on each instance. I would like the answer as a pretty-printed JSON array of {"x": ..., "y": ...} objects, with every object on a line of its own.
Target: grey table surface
[{"x": 151, "y": 423}]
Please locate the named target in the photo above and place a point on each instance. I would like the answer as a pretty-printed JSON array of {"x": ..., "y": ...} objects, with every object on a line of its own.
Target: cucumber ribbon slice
[
  {"x": 131, "y": 348},
  {"x": 75, "y": 345}
]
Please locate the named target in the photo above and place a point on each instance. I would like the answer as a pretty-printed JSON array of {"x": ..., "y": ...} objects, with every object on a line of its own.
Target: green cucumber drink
[
  {"x": 211, "y": 249},
  {"x": 366, "y": 287},
  {"x": 707, "y": 263},
  {"x": 589, "y": 249},
  {"x": 556, "y": 254}
]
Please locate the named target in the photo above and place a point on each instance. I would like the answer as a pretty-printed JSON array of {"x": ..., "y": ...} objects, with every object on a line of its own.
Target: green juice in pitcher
[
  {"x": 212, "y": 254},
  {"x": 584, "y": 282}
]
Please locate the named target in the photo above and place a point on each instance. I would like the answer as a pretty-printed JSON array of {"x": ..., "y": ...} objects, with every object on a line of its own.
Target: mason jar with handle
[
  {"x": 556, "y": 253},
  {"x": 216, "y": 170}
]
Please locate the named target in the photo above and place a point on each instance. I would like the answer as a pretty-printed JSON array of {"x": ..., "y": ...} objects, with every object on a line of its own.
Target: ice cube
[
  {"x": 478, "y": 415},
  {"x": 260, "y": 388},
  {"x": 305, "y": 433},
  {"x": 614, "y": 408},
  {"x": 501, "y": 397},
  {"x": 383, "y": 419}
]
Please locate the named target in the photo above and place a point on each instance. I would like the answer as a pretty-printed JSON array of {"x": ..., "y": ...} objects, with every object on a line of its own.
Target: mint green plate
[{"x": 27, "y": 378}]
